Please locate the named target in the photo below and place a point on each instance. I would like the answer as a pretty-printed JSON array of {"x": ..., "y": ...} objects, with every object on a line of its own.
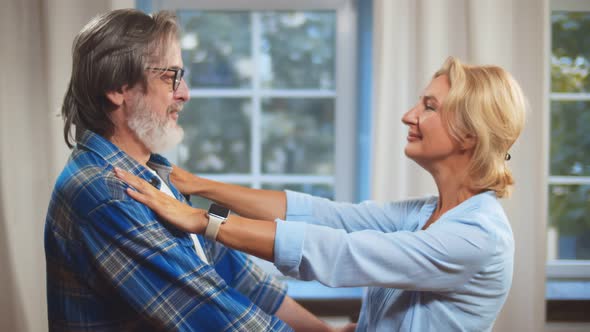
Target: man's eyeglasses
[{"x": 178, "y": 74}]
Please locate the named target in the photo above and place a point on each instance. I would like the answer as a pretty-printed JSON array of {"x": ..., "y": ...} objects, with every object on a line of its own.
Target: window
[
  {"x": 568, "y": 267},
  {"x": 272, "y": 94},
  {"x": 273, "y": 98},
  {"x": 263, "y": 98}
]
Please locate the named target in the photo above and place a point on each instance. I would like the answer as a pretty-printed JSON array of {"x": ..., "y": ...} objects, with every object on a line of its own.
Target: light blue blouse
[{"x": 454, "y": 276}]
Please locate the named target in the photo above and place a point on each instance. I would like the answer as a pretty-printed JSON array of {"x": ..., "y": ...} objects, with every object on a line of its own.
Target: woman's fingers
[
  {"x": 136, "y": 195},
  {"x": 140, "y": 184},
  {"x": 144, "y": 192},
  {"x": 179, "y": 214}
]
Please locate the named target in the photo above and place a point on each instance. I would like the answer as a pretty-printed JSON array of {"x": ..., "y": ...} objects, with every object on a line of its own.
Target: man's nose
[{"x": 182, "y": 92}]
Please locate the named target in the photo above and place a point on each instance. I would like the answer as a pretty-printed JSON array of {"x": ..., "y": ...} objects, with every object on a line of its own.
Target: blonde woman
[{"x": 441, "y": 263}]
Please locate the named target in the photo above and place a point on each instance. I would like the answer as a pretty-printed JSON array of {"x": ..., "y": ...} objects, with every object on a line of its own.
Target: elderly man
[{"x": 112, "y": 265}]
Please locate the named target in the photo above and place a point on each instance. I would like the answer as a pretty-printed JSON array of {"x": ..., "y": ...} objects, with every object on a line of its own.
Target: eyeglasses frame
[{"x": 177, "y": 77}]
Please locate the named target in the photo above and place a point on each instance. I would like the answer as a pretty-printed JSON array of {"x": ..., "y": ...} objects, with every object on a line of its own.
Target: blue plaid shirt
[{"x": 112, "y": 265}]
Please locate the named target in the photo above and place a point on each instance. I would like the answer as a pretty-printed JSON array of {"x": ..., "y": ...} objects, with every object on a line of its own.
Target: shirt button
[{"x": 154, "y": 182}]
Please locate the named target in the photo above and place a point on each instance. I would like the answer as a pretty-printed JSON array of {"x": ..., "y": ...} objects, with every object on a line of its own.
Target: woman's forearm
[
  {"x": 247, "y": 202},
  {"x": 254, "y": 237}
]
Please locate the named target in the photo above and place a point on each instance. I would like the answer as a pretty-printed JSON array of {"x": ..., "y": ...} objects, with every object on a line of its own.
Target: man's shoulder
[{"x": 88, "y": 180}]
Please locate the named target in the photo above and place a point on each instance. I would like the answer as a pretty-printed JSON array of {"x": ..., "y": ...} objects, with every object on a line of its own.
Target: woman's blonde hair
[{"x": 485, "y": 103}]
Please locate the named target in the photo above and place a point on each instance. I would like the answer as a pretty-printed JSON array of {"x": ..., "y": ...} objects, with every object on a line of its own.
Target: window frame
[
  {"x": 561, "y": 269},
  {"x": 344, "y": 94},
  {"x": 352, "y": 105}
]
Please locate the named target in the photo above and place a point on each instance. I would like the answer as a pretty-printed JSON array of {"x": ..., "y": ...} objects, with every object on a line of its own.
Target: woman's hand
[
  {"x": 184, "y": 181},
  {"x": 178, "y": 214}
]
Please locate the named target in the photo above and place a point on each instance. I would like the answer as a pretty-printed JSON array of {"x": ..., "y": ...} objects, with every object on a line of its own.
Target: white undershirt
[{"x": 198, "y": 248}]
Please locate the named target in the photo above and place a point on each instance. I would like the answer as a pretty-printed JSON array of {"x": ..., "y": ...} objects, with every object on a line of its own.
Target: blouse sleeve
[
  {"x": 385, "y": 217},
  {"x": 443, "y": 257}
]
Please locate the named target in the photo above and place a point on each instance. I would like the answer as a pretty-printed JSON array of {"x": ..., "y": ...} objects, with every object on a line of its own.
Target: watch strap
[{"x": 213, "y": 227}]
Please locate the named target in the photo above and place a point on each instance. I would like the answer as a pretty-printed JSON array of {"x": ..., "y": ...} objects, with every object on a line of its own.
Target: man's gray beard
[{"x": 157, "y": 133}]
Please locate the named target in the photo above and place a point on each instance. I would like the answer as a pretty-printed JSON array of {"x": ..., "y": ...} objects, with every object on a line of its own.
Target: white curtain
[
  {"x": 412, "y": 40},
  {"x": 36, "y": 38}
]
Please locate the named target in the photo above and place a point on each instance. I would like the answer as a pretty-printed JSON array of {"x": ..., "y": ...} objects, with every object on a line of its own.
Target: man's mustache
[{"x": 176, "y": 107}]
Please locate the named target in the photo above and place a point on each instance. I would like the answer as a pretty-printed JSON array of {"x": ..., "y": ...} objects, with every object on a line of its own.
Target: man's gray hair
[{"x": 112, "y": 51}]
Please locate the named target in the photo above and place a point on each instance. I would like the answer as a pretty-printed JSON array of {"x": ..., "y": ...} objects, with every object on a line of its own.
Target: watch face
[{"x": 218, "y": 210}]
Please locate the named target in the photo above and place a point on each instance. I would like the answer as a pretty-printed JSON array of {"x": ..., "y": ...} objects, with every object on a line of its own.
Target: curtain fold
[
  {"x": 36, "y": 38},
  {"x": 412, "y": 40},
  {"x": 24, "y": 177}
]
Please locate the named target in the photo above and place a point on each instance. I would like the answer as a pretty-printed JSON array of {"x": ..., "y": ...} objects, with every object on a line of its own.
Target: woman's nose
[{"x": 410, "y": 117}]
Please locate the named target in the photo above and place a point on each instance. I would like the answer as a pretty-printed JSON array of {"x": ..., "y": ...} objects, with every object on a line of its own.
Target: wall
[{"x": 36, "y": 39}]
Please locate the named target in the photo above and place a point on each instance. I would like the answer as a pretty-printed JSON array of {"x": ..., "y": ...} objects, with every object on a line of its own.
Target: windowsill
[
  {"x": 567, "y": 300},
  {"x": 313, "y": 290},
  {"x": 325, "y": 301},
  {"x": 567, "y": 290}
]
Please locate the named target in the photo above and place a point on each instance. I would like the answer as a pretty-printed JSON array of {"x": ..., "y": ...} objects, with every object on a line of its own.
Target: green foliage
[
  {"x": 570, "y": 64},
  {"x": 296, "y": 50},
  {"x": 217, "y": 135},
  {"x": 222, "y": 41},
  {"x": 298, "y": 136},
  {"x": 569, "y": 205},
  {"x": 301, "y": 46},
  {"x": 570, "y": 208},
  {"x": 570, "y": 138}
]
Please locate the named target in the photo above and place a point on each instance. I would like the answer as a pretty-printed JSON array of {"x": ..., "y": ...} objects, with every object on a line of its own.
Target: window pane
[
  {"x": 321, "y": 190},
  {"x": 298, "y": 136},
  {"x": 570, "y": 58},
  {"x": 570, "y": 142},
  {"x": 569, "y": 209},
  {"x": 217, "y": 135},
  {"x": 216, "y": 48},
  {"x": 200, "y": 202},
  {"x": 297, "y": 50},
  {"x": 203, "y": 203}
]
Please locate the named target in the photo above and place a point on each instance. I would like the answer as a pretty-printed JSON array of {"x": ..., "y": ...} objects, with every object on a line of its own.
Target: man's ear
[{"x": 117, "y": 97}]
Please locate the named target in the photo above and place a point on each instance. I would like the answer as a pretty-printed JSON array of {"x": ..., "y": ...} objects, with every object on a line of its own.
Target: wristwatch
[{"x": 217, "y": 216}]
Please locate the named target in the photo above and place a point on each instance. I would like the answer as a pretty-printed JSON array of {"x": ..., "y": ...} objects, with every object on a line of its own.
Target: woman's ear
[
  {"x": 117, "y": 97},
  {"x": 468, "y": 142}
]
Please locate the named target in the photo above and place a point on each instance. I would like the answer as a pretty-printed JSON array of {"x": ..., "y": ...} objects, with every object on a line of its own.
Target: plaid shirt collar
[{"x": 118, "y": 158}]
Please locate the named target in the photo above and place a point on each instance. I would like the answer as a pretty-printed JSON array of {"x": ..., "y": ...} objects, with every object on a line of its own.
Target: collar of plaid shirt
[{"x": 118, "y": 158}]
